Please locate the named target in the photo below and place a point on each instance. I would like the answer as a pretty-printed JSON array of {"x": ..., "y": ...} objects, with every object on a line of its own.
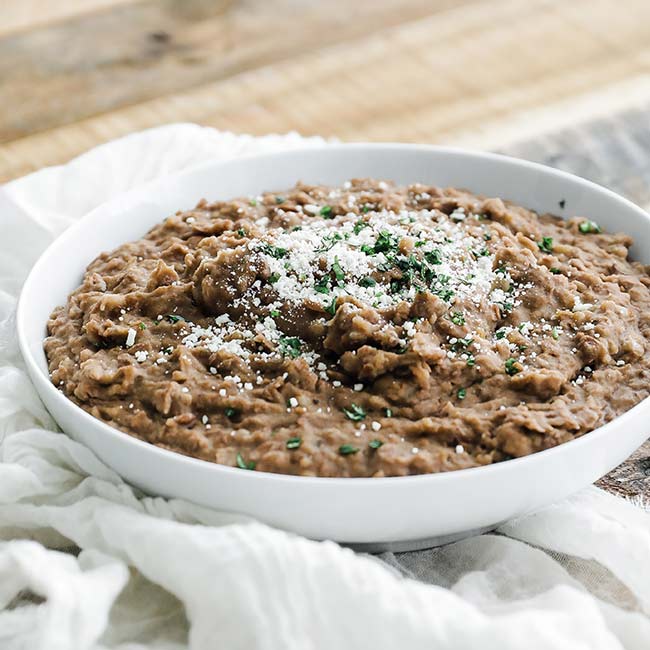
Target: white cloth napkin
[{"x": 88, "y": 562}]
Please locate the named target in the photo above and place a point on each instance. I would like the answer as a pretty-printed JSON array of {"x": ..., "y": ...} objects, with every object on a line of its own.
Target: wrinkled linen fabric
[{"x": 86, "y": 561}]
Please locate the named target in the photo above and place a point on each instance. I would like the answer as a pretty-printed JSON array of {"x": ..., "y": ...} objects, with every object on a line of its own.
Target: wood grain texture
[
  {"x": 565, "y": 83},
  {"x": 104, "y": 60},
  {"x": 395, "y": 70}
]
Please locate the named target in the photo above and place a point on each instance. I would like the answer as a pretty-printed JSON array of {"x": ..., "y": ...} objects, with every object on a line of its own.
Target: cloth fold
[{"x": 87, "y": 561}]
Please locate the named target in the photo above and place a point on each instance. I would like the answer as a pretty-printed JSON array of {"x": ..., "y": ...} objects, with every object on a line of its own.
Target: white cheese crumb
[
  {"x": 293, "y": 402},
  {"x": 358, "y": 387},
  {"x": 375, "y": 425},
  {"x": 223, "y": 392},
  {"x": 130, "y": 337},
  {"x": 460, "y": 449},
  {"x": 141, "y": 355}
]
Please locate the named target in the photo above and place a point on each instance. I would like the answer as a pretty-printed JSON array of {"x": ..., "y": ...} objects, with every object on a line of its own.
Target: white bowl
[{"x": 401, "y": 512}]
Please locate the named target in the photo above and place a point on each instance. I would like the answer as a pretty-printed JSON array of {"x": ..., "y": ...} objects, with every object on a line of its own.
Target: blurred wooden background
[
  {"x": 75, "y": 73},
  {"x": 566, "y": 82}
]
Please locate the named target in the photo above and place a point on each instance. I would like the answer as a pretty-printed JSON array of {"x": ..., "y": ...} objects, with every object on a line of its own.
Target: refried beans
[{"x": 363, "y": 330}]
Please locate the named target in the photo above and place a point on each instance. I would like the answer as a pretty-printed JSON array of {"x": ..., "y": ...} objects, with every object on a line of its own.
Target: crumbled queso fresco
[{"x": 366, "y": 330}]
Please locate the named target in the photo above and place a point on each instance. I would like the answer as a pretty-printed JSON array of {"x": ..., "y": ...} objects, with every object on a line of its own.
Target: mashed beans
[{"x": 366, "y": 330}]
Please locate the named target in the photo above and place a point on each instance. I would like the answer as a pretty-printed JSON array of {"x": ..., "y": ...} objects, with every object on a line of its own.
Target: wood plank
[
  {"x": 409, "y": 82},
  {"x": 20, "y": 15},
  {"x": 100, "y": 61}
]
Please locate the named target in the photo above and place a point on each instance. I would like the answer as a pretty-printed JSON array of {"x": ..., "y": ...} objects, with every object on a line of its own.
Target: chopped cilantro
[
  {"x": 433, "y": 257},
  {"x": 242, "y": 464},
  {"x": 555, "y": 333},
  {"x": 346, "y": 450},
  {"x": 365, "y": 208},
  {"x": 359, "y": 226},
  {"x": 322, "y": 286},
  {"x": 500, "y": 333},
  {"x": 445, "y": 294},
  {"x": 367, "y": 281},
  {"x": 462, "y": 392},
  {"x": 338, "y": 271},
  {"x": 385, "y": 242},
  {"x": 457, "y": 318},
  {"x": 331, "y": 308},
  {"x": 274, "y": 251},
  {"x": 241, "y": 232},
  {"x": 375, "y": 444},
  {"x": 471, "y": 361},
  {"x": 290, "y": 346},
  {"x": 326, "y": 211},
  {"x": 252, "y": 203},
  {"x": 279, "y": 199},
  {"x": 231, "y": 412},
  {"x": 487, "y": 236},
  {"x": 274, "y": 277},
  {"x": 511, "y": 368},
  {"x": 355, "y": 412},
  {"x": 589, "y": 227},
  {"x": 554, "y": 270},
  {"x": 142, "y": 326},
  {"x": 274, "y": 313},
  {"x": 546, "y": 245},
  {"x": 173, "y": 318},
  {"x": 294, "y": 443}
]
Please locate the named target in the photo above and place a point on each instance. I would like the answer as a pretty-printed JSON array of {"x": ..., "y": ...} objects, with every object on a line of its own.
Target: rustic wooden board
[{"x": 414, "y": 70}]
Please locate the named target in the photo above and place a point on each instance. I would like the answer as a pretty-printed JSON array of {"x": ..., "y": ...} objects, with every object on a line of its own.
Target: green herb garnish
[
  {"x": 457, "y": 318},
  {"x": 554, "y": 270},
  {"x": 511, "y": 368},
  {"x": 173, "y": 318},
  {"x": 231, "y": 412},
  {"x": 346, "y": 450},
  {"x": 279, "y": 199},
  {"x": 294, "y": 443},
  {"x": 290, "y": 346},
  {"x": 546, "y": 245},
  {"x": 242, "y": 464},
  {"x": 142, "y": 326},
  {"x": 389, "y": 413},
  {"x": 462, "y": 392},
  {"x": 331, "y": 308},
  {"x": 589, "y": 227},
  {"x": 274, "y": 277},
  {"x": 359, "y": 226},
  {"x": 367, "y": 281},
  {"x": 375, "y": 444},
  {"x": 241, "y": 232},
  {"x": 338, "y": 271},
  {"x": 471, "y": 361},
  {"x": 326, "y": 211},
  {"x": 274, "y": 251},
  {"x": 355, "y": 412}
]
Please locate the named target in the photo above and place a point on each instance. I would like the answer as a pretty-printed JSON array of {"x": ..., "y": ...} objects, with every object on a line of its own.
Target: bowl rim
[{"x": 35, "y": 370}]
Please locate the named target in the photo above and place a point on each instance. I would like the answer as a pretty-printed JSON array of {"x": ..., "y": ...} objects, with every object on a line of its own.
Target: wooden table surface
[{"x": 566, "y": 82}]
